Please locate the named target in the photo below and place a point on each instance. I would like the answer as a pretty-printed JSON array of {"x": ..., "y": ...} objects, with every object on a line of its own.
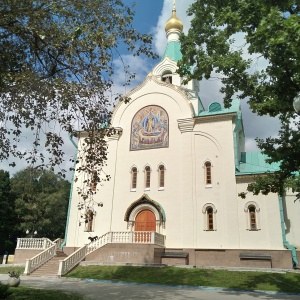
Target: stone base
[
  {"x": 127, "y": 253},
  {"x": 152, "y": 254},
  {"x": 22, "y": 254}
]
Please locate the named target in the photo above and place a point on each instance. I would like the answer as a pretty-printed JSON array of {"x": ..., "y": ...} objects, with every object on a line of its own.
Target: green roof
[
  {"x": 216, "y": 109},
  {"x": 255, "y": 163},
  {"x": 173, "y": 51}
]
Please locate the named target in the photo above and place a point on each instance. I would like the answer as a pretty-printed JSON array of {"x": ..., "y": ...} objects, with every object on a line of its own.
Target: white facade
[{"x": 192, "y": 138}]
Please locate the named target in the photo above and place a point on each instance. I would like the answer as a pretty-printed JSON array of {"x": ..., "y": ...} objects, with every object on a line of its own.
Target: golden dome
[{"x": 174, "y": 23}]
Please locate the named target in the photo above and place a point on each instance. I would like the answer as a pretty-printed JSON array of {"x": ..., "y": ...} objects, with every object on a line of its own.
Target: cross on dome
[{"x": 174, "y": 23}]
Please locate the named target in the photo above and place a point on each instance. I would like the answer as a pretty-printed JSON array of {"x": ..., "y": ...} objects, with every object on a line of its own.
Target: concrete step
[{"x": 50, "y": 268}]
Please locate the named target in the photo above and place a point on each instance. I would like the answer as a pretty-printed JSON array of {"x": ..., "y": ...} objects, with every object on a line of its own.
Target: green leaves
[
  {"x": 41, "y": 202},
  {"x": 269, "y": 89},
  {"x": 56, "y": 67}
]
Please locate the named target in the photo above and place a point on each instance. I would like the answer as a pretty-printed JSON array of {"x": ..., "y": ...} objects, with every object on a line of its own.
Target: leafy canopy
[
  {"x": 8, "y": 232},
  {"x": 272, "y": 37},
  {"x": 41, "y": 202},
  {"x": 56, "y": 73}
]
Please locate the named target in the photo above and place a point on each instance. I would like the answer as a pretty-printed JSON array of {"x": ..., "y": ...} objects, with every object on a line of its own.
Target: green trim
[
  {"x": 238, "y": 127},
  {"x": 234, "y": 108},
  {"x": 71, "y": 192},
  {"x": 173, "y": 51},
  {"x": 285, "y": 242},
  {"x": 145, "y": 199}
]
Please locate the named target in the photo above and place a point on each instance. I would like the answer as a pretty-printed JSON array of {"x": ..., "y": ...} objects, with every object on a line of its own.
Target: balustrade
[
  {"x": 71, "y": 261},
  {"x": 38, "y": 260},
  {"x": 33, "y": 243}
]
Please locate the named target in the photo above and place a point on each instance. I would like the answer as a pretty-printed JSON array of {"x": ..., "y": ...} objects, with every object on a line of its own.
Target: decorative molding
[
  {"x": 115, "y": 136},
  {"x": 257, "y": 215},
  {"x": 251, "y": 203},
  {"x": 145, "y": 166},
  {"x": 204, "y": 211},
  {"x": 151, "y": 77},
  {"x": 145, "y": 202},
  {"x": 205, "y": 206},
  {"x": 161, "y": 164},
  {"x": 205, "y": 161},
  {"x": 134, "y": 166},
  {"x": 216, "y": 117},
  {"x": 186, "y": 125},
  {"x": 165, "y": 65}
]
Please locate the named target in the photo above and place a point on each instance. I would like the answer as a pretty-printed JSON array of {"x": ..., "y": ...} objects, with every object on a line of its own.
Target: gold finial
[{"x": 174, "y": 23}]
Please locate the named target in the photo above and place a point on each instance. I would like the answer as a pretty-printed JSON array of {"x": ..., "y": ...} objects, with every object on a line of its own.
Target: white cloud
[
  {"x": 160, "y": 40},
  {"x": 254, "y": 125}
]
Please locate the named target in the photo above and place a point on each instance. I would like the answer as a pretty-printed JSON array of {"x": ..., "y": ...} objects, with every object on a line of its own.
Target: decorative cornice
[
  {"x": 116, "y": 134},
  {"x": 186, "y": 125},
  {"x": 151, "y": 77},
  {"x": 215, "y": 117},
  {"x": 145, "y": 199},
  {"x": 242, "y": 178}
]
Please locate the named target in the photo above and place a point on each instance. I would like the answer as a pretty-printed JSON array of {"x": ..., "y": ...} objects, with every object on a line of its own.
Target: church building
[{"x": 176, "y": 170}]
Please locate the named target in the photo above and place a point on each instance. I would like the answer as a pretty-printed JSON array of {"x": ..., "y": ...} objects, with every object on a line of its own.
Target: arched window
[
  {"x": 147, "y": 177},
  {"x": 161, "y": 176},
  {"x": 133, "y": 178},
  {"x": 209, "y": 217},
  {"x": 89, "y": 220},
  {"x": 252, "y": 218},
  {"x": 167, "y": 77},
  {"x": 252, "y": 214},
  {"x": 208, "y": 179}
]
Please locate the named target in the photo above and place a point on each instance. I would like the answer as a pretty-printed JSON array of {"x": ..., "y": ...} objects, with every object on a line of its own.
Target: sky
[{"x": 151, "y": 16}]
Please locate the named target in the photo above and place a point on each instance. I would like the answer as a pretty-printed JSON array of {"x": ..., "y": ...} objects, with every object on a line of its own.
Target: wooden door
[{"x": 145, "y": 221}]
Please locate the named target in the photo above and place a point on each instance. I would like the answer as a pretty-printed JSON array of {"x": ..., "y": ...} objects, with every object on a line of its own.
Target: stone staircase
[{"x": 50, "y": 268}]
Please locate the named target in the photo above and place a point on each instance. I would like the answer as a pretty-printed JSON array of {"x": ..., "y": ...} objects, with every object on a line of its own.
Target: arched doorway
[{"x": 145, "y": 221}]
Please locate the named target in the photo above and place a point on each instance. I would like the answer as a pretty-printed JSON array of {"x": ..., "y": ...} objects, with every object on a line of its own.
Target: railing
[
  {"x": 39, "y": 259},
  {"x": 33, "y": 243},
  {"x": 58, "y": 243},
  {"x": 71, "y": 261},
  {"x": 138, "y": 237}
]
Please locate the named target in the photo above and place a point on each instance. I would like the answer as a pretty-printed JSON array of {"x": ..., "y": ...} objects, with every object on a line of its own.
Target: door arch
[{"x": 145, "y": 221}]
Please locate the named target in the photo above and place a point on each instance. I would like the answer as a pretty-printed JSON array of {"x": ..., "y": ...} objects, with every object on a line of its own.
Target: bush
[{"x": 4, "y": 293}]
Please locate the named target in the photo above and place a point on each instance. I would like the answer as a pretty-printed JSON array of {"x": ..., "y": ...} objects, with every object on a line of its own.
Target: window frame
[
  {"x": 252, "y": 212},
  {"x": 161, "y": 177},
  {"x": 252, "y": 218},
  {"x": 208, "y": 173},
  {"x": 89, "y": 220},
  {"x": 209, "y": 217},
  {"x": 133, "y": 183},
  {"x": 147, "y": 181}
]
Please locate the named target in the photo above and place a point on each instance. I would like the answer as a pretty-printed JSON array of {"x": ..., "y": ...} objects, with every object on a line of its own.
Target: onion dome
[{"x": 174, "y": 23}]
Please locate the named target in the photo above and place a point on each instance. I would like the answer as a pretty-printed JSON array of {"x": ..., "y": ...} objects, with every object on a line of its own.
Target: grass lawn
[
  {"x": 22, "y": 293},
  {"x": 5, "y": 270},
  {"x": 267, "y": 281},
  {"x": 289, "y": 282}
]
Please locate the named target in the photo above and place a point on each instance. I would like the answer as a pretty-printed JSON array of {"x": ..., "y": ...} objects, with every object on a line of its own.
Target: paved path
[{"x": 130, "y": 291}]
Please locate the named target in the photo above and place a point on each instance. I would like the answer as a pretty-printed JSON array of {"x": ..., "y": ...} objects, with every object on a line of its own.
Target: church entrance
[{"x": 145, "y": 221}]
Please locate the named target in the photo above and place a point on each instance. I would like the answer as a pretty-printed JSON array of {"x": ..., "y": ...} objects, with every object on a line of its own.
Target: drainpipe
[
  {"x": 285, "y": 242},
  {"x": 71, "y": 192}
]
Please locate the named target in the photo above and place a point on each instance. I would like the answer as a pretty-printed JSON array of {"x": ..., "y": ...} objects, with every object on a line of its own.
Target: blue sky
[{"x": 151, "y": 16}]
